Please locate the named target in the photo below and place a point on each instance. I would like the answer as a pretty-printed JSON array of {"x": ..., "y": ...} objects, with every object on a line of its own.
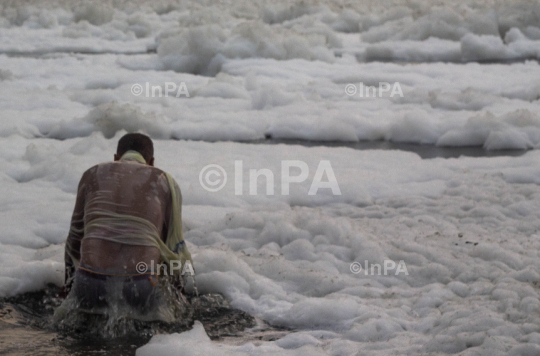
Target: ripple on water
[{"x": 26, "y": 327}]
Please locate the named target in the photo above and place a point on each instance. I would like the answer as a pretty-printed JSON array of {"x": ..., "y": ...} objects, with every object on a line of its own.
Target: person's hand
[
  {"x": 64, "y": 291},
  {"x": 178, "y": 284}
]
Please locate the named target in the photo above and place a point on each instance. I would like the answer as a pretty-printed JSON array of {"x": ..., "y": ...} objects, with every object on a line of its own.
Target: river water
[
  {"x": 256, "y": 69},
  {"x": 26, "y": 327}
]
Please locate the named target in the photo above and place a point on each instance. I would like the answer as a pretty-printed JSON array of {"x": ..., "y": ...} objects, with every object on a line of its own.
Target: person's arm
[
  {"x": 172, "y": 216},
  {"x": 167, "y": 217},
  {"x": 173, "y": 226},
  {"x": 72, "y": 254}
]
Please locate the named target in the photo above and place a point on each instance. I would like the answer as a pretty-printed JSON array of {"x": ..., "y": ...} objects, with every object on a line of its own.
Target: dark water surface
[
  {"x": 26, "y": 328},
  {"x": 424, "y": 151}
]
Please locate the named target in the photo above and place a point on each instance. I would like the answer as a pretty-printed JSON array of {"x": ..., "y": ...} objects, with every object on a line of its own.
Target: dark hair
[{"x": 136, "y": 142}]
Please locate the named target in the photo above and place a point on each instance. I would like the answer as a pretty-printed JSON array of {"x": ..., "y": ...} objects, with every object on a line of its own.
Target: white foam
[
  {"x": 110, "y": 118},
  {"x": 289, "y": 92},
  {"x": 203, "y": 49},
  {"x": 516, "y": 130},
  {"x": 290, "y": 265},
  {"x": 466, "y": 228},
  {"x": 196, "y": 342}
]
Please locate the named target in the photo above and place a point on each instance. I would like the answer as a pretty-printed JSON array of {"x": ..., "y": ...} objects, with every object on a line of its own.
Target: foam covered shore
[{"x": 466, "y": 229}]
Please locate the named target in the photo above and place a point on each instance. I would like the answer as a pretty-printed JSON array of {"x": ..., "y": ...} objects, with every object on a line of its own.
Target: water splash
[
  {"x": 29, "y": 316},
  {"x": 169, "y": 310},
  {"x": 38, "y": 309}
]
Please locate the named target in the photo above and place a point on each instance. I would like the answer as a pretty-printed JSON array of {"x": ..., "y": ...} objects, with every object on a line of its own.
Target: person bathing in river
[{"x": 127, "y": 218}]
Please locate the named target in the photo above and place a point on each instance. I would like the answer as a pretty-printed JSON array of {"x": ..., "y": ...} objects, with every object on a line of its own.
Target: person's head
[{"x": 136, "y": 142}]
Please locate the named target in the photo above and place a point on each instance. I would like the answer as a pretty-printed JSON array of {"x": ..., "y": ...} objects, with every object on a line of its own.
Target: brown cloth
[{"x": 125, "y": 213}]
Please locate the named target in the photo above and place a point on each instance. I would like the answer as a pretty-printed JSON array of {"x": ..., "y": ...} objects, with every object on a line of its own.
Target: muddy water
[
  {"x": 26, "y": 327},
  {"x": 424, "y": 151}
]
